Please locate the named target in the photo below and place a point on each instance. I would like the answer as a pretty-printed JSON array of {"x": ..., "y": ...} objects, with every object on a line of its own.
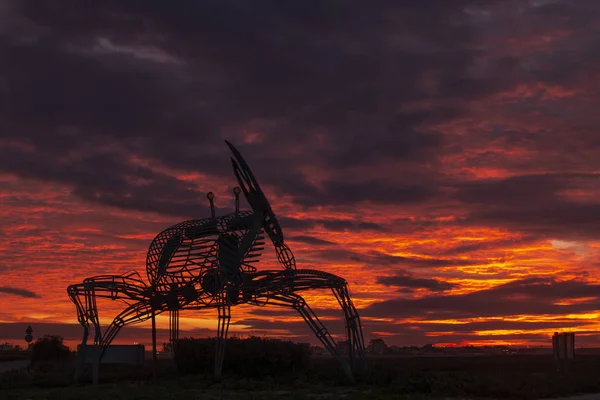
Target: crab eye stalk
[
  {"x": 236, "y": 192},
  {"x": 211, "y": 198}
]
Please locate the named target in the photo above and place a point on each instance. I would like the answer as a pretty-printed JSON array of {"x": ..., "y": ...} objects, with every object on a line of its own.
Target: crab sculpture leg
[
  {"x": 127, "y": 287},
  {"x": 299, "y": 304},
  {"x": 144, "y": 307},
  {"x": 143, "y": 301},
  {"x": 224, "y": 307},
  {"x": 135, "y": 313},
  {"x": 267, "y": 288},
  {"x": 280, "y": 288}
]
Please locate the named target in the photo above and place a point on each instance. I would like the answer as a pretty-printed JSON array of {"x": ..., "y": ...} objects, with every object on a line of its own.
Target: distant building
[
  {"x": 317, "y": 351},
  {"x": 563, "y": 345}
]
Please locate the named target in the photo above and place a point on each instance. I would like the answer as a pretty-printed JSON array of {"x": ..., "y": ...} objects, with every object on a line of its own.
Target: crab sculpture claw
[{"x": 255, "y": 196}]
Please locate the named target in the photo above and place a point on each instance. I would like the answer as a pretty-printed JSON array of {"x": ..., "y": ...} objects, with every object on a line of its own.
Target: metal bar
[{"x": 154, "y": 357}]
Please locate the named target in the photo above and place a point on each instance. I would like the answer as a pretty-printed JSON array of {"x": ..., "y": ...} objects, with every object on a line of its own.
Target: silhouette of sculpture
[{"x": 210, "y": 263}]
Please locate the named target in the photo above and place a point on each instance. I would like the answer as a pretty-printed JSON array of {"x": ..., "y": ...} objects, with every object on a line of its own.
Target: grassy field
[
  {"x": 194, "y": 388},
  {"x": 514, "y": 376}
]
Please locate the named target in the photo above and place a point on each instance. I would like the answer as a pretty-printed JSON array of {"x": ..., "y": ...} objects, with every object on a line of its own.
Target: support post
[
  {"x": 79, "y": 362},
  {"x": 96, "y": 368},
  {"x": 173, "y": 330},
  {"x": 154, "y": 359}
]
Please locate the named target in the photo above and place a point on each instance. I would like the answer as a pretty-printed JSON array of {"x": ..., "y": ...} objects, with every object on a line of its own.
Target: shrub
[
  {"x": 252, "y": 358},
  {"x": 49, "y": 348}
]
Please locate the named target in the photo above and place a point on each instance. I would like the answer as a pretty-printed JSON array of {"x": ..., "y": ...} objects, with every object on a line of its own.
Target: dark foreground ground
[{"x": 389, "y": 377}]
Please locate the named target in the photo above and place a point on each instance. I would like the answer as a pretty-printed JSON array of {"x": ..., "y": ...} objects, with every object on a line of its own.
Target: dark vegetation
[
  {"x": 251, "y": 358},
  {"x": 49, "y": 349},
  {"x": 275, "y": 369}
]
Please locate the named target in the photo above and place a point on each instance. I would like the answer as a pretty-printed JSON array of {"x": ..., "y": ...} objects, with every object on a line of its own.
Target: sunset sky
[{"x": 441, "y": 155}]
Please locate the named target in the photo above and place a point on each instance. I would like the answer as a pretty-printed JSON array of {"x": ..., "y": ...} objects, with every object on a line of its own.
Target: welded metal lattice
[{"x": 211, "y": 263}]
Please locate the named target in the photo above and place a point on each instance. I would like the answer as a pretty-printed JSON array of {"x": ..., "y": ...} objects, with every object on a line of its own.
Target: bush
[
  {"x": 252, "y": 358},
  {"x": 49, "y": 348}
]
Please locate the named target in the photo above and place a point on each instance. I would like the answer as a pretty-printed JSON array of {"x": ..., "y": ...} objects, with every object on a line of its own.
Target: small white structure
[{"x": 114, "y": 354}]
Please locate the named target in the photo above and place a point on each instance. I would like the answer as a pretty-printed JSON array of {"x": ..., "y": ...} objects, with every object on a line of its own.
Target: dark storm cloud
[
  {"x": 345, "y": 225},
  {"x": 569, "y": 65},
  {"x": 310, "y": 240},
  {"x": 108, "y": 178},
  {"x": 486, "y": 245},
  {"x": 326, "y": 84},
  {"x": 532, "y": 296},
  {"x": 351, "y": 193},
  {"x": 279, "y": 172},
  {"x": 394, "y": 225},
  {"x": 568, "y": 220},
  {"x": 406, "y": 281},
  {"x": 166, "y": 81},
  {"x": 421, "y": 262},
  {"x": 331, "y": 224},
  {"x": 531, "y": 189},
  {"x": 375, "y": 258},
  {"x": 533, "y": 203},
  {"x": 18, "y": 292}
]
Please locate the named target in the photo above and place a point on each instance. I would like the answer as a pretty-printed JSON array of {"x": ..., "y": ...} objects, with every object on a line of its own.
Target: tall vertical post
[
  {"x": 154, "y": 359},
  {"x": 173, "y": 330},
  {"x": 236, "y": 192},
  {"x": 211, "y": 200},
  {"x": 96, "y": 366},
  {"x": 79, "y": 362}
]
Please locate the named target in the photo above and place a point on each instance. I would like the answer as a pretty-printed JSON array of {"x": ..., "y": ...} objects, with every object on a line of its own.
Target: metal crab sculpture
[{"x": 210, "y": 263}]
